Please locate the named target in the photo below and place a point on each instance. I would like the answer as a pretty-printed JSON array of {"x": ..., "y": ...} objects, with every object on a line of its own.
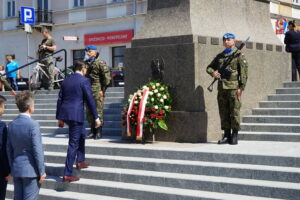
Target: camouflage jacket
[
  {"x": 5, "y": 83},
  {"x": 238, "y": 68},
  {"x": 99, "y": 74}
]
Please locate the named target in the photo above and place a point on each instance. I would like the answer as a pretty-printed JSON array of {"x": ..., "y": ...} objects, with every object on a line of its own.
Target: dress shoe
[
  {"x": 70, "y": 178},
  {"x": 82, "y": 165},
  {"x": 226, "y": 138},
  {"x": 234, "y": 138}
]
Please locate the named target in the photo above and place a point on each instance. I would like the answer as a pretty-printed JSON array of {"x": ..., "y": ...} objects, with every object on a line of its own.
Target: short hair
[
  {"x": 44, "y": 30},
  {"x": 2, "y": 100},
  {"x": 79, "y": 65},
  {"x": 23, "y": 100}
]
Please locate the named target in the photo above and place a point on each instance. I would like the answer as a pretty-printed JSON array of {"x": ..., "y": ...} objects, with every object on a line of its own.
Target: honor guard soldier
[
  {"x": 100, "y": 77},
  {"x": 232, "y": 81},
  {"x": 46, "y": 48}
]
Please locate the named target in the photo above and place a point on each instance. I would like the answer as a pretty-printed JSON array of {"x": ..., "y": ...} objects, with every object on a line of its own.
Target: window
[
  {"x": 11, "y": 8},
  {"x": 42, "y": 4},
  {"x": 296, "y": 1},
  {"x": 78, "y": 3},
  {"x": 78, "y": 55},
  {"x": 118, "y": 57}
]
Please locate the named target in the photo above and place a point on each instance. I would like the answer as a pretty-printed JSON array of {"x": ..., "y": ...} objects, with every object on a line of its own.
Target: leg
[
  {"x": 223, "y": 103},
  {"x": 48, "y": 68},
  {"x": 235, "y": 106},
  {"x": 81, "y": 149},
  {"x": 294, "y": 75},
  {"x": 31, "y": 188},
  {"x": 75, "y": 129},
  {"x": 99, "y": 104},
  {"x": 15, "y": 85},
  {"x": 3, "y": 185},
  {"x": 18, "y": 189},
  {"x": 297, "y": 64}
]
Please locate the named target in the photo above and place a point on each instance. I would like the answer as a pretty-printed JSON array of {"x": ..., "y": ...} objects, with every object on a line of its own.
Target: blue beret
[
  {"x": 90, "y": 47},
  {"x": 228, "y": 36}
]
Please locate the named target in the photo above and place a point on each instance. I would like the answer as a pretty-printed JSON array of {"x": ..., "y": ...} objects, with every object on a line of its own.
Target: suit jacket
[
  {"x": 25, "y": 148},
  {"x": 4, "y": 165},
  {"x": 74, "y": 91},
  {"x": 292, "y": 41}
]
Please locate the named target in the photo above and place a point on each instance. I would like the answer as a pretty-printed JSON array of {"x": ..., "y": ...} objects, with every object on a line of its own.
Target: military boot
[
  {"x": 92, "y": 134},
  {"x": 226, "y": 138},
  {"x": 98, "y": 133},
  {"x": 234, "y": 138}
]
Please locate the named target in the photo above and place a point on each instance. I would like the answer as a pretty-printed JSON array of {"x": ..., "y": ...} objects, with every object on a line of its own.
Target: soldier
[
  {"x": 46, "y": 48},
  {"x": 232, "y": 82},
  {"x": 7, "y": 85},
  {"x": 99, "y": 74}
]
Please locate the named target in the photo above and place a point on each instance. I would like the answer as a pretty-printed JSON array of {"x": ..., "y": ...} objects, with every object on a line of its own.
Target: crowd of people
[{"x": 22, "y": 156}]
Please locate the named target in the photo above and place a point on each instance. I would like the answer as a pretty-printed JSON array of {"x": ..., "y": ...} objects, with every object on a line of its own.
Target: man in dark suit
[
  {"x": 4, "y": 165},
  {"x": 292, "y": 41},
  {"x": 25, "y": 150},
  {"x": 75, "y": 90}
]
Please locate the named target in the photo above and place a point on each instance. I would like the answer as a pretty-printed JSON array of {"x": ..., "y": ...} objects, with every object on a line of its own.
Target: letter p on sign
[{"x": 27, "y": 15}]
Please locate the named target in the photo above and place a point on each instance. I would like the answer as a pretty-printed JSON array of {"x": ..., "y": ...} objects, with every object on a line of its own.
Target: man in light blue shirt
[{"x": 12, "y": 77}]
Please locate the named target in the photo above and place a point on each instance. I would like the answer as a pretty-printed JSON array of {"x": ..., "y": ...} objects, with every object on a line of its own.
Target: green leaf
[{"x": 162, "y": 124}]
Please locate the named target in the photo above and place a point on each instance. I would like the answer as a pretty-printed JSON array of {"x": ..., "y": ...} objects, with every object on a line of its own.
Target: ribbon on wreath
[
  {"x": 141, "y": 114},
  {"x": 129, "y": 112}
]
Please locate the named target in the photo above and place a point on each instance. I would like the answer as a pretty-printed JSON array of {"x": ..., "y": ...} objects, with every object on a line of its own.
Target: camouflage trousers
[
  {"x": 229, "y": 109},
  {"x": 48, "y": 68},
  {"x": 99, "y": 105}
]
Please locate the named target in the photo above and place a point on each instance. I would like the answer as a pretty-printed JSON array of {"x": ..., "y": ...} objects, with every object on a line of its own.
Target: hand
[
  {"x": 239, "y": 94},
  {"x": 42, "y": 178},
  {"x": 97, "y": 123},
  {"x": 7, "y": 178},
  {"x": 44, "y": 46},
  {"x": 101, "y": 95},
  {"x": 60, "y": 123},
  {"x": 13, "y": 93},
  {"x": 216, "y": 74}
]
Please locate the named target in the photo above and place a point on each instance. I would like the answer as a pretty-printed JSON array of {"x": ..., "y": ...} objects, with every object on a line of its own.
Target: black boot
[
  {"x": 98, "y": 133},
  {"x": 226, "y": 138},
  {"x": 234, "y": 139},
  {"x": 92, "y": 134}
]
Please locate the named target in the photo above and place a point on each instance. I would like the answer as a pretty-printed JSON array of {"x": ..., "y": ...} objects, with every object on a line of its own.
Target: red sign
[
  {"x": 280, "y": 25},
  {"x": 108, "y": 38}
]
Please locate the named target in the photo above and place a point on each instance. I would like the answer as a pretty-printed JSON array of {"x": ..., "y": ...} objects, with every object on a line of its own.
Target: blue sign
[{"x": 27, "y": 15}]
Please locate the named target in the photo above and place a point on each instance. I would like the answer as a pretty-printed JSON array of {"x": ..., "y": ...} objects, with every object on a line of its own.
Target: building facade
[{"x": 108, "y": 24}]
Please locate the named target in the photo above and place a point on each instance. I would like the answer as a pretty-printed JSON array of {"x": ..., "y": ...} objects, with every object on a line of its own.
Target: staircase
[{"x": 261, "y": 167}]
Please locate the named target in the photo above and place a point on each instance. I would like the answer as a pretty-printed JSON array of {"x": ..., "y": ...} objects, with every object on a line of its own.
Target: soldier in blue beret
[{"x": 232, "y": 82}]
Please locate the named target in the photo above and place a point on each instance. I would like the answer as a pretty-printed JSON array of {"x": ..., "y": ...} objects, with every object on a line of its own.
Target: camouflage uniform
[
  {"x": 48, "y": 62},
  {"x": 99, "y": 74},
  {"x": 229, "y": 105}
]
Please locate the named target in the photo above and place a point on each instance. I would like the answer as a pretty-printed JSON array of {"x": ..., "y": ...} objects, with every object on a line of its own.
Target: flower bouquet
[{"x": 147, "y": 109}]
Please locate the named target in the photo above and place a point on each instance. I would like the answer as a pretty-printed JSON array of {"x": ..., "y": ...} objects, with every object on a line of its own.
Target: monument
[{"x": 187, "y": 34}]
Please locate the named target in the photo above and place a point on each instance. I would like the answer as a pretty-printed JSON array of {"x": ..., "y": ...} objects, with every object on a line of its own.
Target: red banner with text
[{"x": 108, "y": 38}]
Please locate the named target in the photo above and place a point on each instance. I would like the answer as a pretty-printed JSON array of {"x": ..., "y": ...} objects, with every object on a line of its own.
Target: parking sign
[{"x": 27, "y": 15}]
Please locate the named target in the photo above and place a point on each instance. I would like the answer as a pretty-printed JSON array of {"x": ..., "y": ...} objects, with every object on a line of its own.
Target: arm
[
  {"x": 4, "y": 157},
  {"x": 87, "y": 92},
  {"x": 243, "y": 71},
  {"x": 105, "y": 76},
  {"x": 37, "y": 147},
  {"x": 213, "y": 67}
]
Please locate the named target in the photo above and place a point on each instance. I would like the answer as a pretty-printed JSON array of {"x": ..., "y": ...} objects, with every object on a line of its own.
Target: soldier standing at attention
[
  {"x": 232, "y": 82},
  {"x": 46, "y": 48},
  {"x": 100, "y": 77}
]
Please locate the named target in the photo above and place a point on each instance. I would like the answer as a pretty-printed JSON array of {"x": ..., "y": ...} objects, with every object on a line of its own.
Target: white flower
[
  {"x": 156, "y": 107},
  {"x": 139, "y": 94},
  {"x": 152, "y": 99},
  {"x": 161, "y": 100},
  {"x": 157, "y": 84},
  {"x": 166, "y": 107},
  {"x": 150, "y": 93},
  {"x": 162, "y": 89},
  {"x": 155, "y": 91},
  {"x": 153, "y": 86},
  {"x": 165, "y": 96},
  {"x": 129, "y": 100},
  {"x": 145, "y": 87},
  {"x": 136, "y": 102},
  {"x": 159, "y": 95}
]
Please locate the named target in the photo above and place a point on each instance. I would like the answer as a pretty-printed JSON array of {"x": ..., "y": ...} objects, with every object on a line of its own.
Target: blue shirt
[{"x": 11, "y": 66}]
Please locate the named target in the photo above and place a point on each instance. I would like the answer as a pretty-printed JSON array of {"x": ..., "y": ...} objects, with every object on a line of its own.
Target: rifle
[{"x": 222, "y": 70}]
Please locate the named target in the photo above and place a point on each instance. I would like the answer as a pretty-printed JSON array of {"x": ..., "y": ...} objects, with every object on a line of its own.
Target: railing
[
  {"x": 41, "y": 17},
  {"x": 38, "y": 60}
]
